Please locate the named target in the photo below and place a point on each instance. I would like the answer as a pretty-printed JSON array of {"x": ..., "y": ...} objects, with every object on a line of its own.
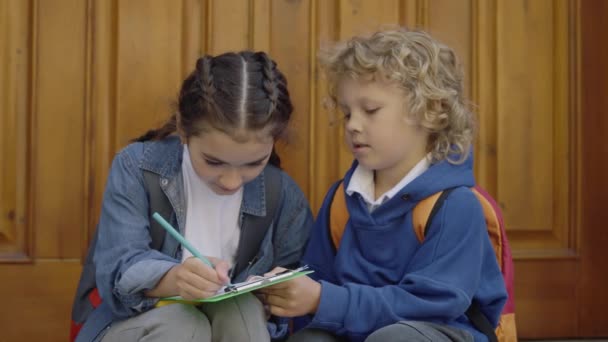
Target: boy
[{"x": 410, "y": 133}]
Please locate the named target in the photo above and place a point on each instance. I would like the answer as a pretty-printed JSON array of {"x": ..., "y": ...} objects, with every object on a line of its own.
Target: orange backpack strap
[
  {"x": 338, "y": 215},
  {"x": 493, "y": 224},
  {"x": 421, "y": 214}
]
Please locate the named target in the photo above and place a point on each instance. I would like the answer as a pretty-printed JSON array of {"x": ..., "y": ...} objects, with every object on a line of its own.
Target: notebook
[{"x": 254, "y": 283}]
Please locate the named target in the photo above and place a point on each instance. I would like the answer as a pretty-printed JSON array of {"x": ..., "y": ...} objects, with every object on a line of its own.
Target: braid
[
  {"x": 207, "y": 86},
  {"x": 270, "y": 83},
  {"x": 157, "y": 134}
]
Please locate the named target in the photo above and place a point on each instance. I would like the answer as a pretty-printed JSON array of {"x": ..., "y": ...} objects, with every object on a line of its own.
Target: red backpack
[{"x": 422, "y": 215}]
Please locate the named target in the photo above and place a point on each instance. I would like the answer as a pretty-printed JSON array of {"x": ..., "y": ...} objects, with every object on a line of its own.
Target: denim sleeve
[
  {"x": 293, "y": 228},
  {"x": 293, "y": 225},
  {"x": 125, "y": 264}
]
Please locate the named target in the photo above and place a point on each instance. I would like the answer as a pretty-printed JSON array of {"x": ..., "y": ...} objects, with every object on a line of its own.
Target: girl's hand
[
  {"x": 194, "y": 279},
  {"x": 295, "y": 297}
]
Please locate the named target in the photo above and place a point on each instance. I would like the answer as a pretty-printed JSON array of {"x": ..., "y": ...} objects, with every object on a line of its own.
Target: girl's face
[
  {"x": 225, "y": 164},
  {"x": 378, "y": 129}
]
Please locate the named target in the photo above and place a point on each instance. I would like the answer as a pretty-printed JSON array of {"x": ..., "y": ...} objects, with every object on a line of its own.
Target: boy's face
[
  {"x": 378, "y": 129},
  {"x": 225, "y": 164}
]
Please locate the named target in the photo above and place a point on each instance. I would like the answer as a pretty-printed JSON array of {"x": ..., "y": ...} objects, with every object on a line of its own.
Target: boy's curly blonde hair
[{"x": 426, "y": 69}]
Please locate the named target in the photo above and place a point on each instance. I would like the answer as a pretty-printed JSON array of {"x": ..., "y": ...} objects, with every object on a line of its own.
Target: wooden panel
[
  {"x": 414, "y": 13},
  {"x": 100, "y": 116},
  {"x": 546, "y": 298},
  {"x": 260, "y": 22},
  {"x": 290, "y": 47},
  {"x": 148, "y": 72},
  {"x": 193, "y": 34},
  {"x": 532, "y": 111},
  {"x": 14, "y": 91},
  {"x": 592, "y": 318},
  {"x": 483, "y": 91},
  {"x": 229, "y": 23},
  {"x": 450, "y": 22},
  {"x": 325, "y": 142},
  {"x": 38, "y": 307},
  {"x": 58, "y": 127},
  {"x": 525, "y": 112},
  {"x": 362, "y": 17}
]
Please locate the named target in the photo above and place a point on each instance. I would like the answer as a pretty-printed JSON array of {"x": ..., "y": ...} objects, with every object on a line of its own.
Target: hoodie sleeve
[{"x": 442, "y": 278}]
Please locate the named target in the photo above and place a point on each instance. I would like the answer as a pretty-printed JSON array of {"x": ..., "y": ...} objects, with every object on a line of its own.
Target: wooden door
[{"x": 79, "y": 78}]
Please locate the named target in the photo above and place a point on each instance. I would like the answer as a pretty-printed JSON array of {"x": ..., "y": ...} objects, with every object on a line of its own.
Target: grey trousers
[
  {"x": 240, "y": 318},
  {"x": 410, "y": 331}
]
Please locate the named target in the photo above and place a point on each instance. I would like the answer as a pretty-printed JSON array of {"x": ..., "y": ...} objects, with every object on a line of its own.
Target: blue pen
[{"x": 180, "y": 238}]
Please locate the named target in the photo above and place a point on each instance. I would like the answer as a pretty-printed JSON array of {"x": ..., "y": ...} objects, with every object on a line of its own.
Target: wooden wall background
[{"x": 79, "y": 78}]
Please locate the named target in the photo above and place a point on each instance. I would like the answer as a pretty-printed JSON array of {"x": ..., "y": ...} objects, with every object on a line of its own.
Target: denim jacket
[{"x": 126, "y": 266}]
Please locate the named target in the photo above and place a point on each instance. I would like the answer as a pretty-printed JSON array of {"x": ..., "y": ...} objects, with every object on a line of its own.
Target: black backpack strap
[
  {"x": 254, "y": 228},
  {"x": 436, "y": 207},
  {"x": 479, "y": 320},
  {"x": 158, "y": 203}
]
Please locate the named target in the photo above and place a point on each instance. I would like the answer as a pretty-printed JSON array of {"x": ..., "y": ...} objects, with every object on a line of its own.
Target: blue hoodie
[{"x": 382, "y": 274}]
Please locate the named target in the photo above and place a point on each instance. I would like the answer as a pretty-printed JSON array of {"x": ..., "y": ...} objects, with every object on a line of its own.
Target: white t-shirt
[
  {"x": 362, "y": 182},
  {"x": 212, "y": 220}
]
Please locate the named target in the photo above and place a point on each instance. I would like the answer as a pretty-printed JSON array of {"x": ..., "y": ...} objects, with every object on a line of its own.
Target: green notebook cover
[{"x": 244, "y": 287}]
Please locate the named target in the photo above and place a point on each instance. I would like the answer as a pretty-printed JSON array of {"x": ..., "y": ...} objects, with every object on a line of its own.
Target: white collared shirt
[{"x": 362, "y": 182}]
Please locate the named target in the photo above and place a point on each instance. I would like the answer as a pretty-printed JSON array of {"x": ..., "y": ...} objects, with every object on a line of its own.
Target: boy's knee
[
  {"x": 312, "y": 335},
  {"x": 402, "y": 331}
]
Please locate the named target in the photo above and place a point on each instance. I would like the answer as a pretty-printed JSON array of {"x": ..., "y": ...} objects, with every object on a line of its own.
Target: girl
[{"x": 211, "y": 157}]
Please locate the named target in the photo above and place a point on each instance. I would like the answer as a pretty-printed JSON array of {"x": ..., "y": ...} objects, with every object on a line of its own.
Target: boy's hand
[
  {"x": 295, "y": 297},
  {"x": 194, "y": 279}
]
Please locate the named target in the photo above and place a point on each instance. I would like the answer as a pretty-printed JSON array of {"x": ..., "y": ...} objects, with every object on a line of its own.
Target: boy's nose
[{"x": 353, "y": 124}]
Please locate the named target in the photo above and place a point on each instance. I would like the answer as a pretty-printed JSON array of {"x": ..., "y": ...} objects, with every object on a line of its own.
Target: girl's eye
[
  {"x": 346, "y": 115},
  {"x": 212, "y": 162},
  {"x": 256, "y": 164},
  {"x": 372, "y": 111}
]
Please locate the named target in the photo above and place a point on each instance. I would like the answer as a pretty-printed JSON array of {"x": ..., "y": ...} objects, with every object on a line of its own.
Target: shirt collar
[{"x": 362, "y": 182}]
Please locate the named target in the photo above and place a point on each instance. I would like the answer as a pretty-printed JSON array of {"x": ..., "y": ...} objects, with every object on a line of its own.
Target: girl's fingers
[
  {"x": 189, "y": 292},
  {"x": 199, "y": 268},
  {"x": 185, "y": 276}
]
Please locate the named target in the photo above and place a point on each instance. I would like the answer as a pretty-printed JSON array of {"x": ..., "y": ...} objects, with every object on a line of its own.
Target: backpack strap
[
  {"x": 159, "y": 203},
  {"x": 338, "y": 214},
  {"x": 254, "y": 228},
  {"x": 481, "y": 322},
  {"x": 423, "y": 214}
]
